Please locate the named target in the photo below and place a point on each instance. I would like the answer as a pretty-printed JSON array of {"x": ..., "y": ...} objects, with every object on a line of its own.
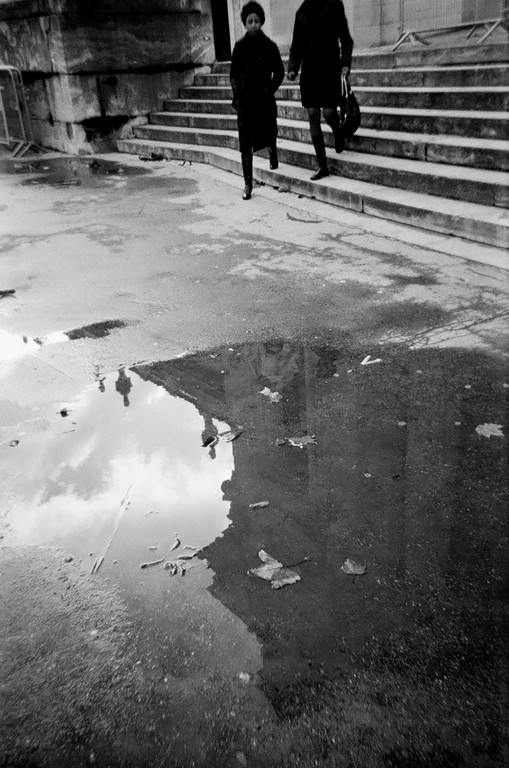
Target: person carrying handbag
[{"x": 320, "y": 27}]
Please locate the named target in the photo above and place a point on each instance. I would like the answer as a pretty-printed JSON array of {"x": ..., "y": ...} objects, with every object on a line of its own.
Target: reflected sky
[{"x": 150, "y": 447}]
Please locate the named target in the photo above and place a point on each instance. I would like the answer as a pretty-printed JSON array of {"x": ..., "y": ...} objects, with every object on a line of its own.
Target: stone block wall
[{"x": 92, "y": 67}]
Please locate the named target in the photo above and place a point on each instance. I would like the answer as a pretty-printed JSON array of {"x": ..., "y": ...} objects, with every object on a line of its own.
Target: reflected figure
[
  {"x": 123, "y": 385},
  {"x": 209, "y": 433},
  {"x": 100, "y": 379}
]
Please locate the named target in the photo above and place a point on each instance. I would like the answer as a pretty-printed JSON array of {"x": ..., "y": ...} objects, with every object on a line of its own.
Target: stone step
[
  {"x": 480, "y": 223},
  {"x": 494, "y": 98},
  {"x": 416, "y": 77},
  {"x": 452, "y": 150},
  {"x": 488, "y": 125},
  {"x": 453, "y": 182},
  {"x": 385, "y": 58}
]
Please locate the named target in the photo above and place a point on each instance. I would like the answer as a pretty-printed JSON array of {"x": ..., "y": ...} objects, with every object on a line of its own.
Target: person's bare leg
[{"x": 318, "y": 143}]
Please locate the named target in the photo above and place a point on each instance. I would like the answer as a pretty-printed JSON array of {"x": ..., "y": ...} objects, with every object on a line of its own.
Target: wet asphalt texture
[{"x": 364, "y": 380}]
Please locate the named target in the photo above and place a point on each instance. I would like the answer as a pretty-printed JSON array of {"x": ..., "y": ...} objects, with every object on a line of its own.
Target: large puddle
[{"x": 372, "y": 455}]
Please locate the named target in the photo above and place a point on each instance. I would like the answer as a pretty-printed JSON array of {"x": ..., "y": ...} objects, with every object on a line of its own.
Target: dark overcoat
[
  {"x": 320, "y": 27},
  {"x": 255, "y": 75}
]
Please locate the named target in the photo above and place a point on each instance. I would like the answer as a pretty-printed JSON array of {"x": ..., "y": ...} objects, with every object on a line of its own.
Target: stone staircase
[{"x": 432, "y": 151}]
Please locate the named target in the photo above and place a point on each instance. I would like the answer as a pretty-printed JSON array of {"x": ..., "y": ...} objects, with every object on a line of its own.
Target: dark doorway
[{"x": 221, "y": 28}]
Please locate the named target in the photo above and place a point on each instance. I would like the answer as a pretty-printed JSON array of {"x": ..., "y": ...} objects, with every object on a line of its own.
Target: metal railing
[
  {"x": 418, "y": 18},
  {"x": 15, "y": 128}
]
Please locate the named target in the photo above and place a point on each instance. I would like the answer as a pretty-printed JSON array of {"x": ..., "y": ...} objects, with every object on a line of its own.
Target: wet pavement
[{"x": 386, "y": 444}]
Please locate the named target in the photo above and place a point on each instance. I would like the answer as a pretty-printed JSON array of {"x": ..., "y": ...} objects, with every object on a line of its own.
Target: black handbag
[{"x": 349, "y": 110}]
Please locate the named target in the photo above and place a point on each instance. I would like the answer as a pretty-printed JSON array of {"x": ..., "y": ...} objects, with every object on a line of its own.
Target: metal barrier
[
  {"x": 15, "y": 128},
  {"x": 418, "y": 18}
]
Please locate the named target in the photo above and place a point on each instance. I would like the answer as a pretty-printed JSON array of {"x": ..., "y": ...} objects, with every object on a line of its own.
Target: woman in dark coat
[
  {"x": 256, "y": 73},
  {"x": 320, "y": 25}
]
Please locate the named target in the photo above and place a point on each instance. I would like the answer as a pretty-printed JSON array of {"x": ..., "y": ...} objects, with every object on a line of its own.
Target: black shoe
[
  {"x": 246, "y": 195},
  {"x": 321, "y": 173}
]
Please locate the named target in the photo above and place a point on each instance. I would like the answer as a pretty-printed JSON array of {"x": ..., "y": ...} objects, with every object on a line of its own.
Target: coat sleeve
[
  {"x": 297, "y": 47},
  {"x": 235, "y": 68},
  {"x": 278, "y": 70},
  {"x": 345, "y": 38}
]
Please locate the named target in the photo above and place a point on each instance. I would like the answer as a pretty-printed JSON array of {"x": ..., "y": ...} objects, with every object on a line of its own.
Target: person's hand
[
  {"x": 345, "y": 71},
  {"x": 292, "y": 75}
]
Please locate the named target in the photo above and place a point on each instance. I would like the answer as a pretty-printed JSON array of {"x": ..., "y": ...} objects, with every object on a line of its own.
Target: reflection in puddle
[{"x": 398, "y": 480}]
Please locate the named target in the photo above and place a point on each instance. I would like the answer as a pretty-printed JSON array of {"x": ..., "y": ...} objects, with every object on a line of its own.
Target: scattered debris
[
  {"x": 231, "y": 435},
  {"x": 368, "y": 474},
  {"x": 94, "y": 632},
  {"x": 64, "y": 412},
  {"x": 13, "y": 443},
  {"x": 153, "y": 157},
  {"x": 281, "y": 441},
  {"x": 274, "y": 571},
  {"x": 300, "y": 442},
  {"x": 187, "y": 555},
  {"x": 151, "y": 512},
  {"x": 468, "y": 386},
  {"x": 176, "y": 543},
  {"x": 181, "y": 569},
  {"x": 401, "y": 423},
  {"x": 171, "y": 567},
  {"x": 245, "y": 677},
  {"x": 98, "y": 562},
  {"x": 274, "y": 397},
  {"x": 259, "y": 505},
  {"x": 368, "y": 361},
  {"x": 8, "y": 292},
  {"x": 490, "y": 430},
  {"x": 152, "y": 548},
  {"x": 352, "y": 568},
  {"x": 68, "y": 559},
  {"x": 304, "y": 219},
  {"x": 152, "y": 563}
]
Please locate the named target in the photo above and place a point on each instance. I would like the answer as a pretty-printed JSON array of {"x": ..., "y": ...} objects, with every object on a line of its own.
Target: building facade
[{"x": 92, "y": 68}]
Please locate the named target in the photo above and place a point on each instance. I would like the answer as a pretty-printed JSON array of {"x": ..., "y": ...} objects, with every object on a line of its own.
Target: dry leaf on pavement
[
  {"x": 352, "y": 568},
  {"x": 490, "y": 430},
  {"x": 274, "y": 397}
]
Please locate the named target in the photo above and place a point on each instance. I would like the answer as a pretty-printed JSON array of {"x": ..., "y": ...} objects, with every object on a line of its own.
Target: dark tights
[{"x": 331, "y": 118}]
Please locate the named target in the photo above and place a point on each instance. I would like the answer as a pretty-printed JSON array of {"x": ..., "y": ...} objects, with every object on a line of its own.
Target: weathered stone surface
[
  {"x": 92, "y": 44},
  {"x": 134, "y": 94},
  {"x": 65, "y": 137},
  {"x": 25, "y": 44},
  {"x": 63, "y": 98},
  {"x": 23, "y": 9}
]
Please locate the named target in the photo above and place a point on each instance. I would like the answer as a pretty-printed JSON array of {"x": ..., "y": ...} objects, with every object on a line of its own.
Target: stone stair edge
[
  {"x": 376, "y": 109},
  {"x": 432, "y": 138},
  {"x": 473, "y": 221},
  {"x": 417, "y": 166},
  {"x": 497, "y": 145}
]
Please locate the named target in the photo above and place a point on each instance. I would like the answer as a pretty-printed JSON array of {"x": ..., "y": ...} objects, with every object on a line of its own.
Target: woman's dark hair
[{"x": 250, "y": 8}]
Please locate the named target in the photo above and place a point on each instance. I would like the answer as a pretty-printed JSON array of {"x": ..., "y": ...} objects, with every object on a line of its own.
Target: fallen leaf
[
  {"x": 176, "y": 543},
  {"x": 300, "y": 442},
  {"x": 151, "y": 563},
  {"x": 259, "y": 505},
  {"x": 13, "y": 443},
  {"x": 274, "y": 571},
  {"x": 352, "y": 568},
  {"x": 274, "y": 397},
  {"x": 269, "y": 567},
  {"x": 490, "y": 430},
  {"x": 368, "y": 361},
  {"x": 284, "y": 577}
]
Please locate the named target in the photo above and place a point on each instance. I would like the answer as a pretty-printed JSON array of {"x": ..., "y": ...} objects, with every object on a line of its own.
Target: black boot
[
  {"x": 247, "y": 170},
  {"x": 319, "y": 146},
  {"x": 273, "y": 159},
  {"x": 339, "y": 139}
]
